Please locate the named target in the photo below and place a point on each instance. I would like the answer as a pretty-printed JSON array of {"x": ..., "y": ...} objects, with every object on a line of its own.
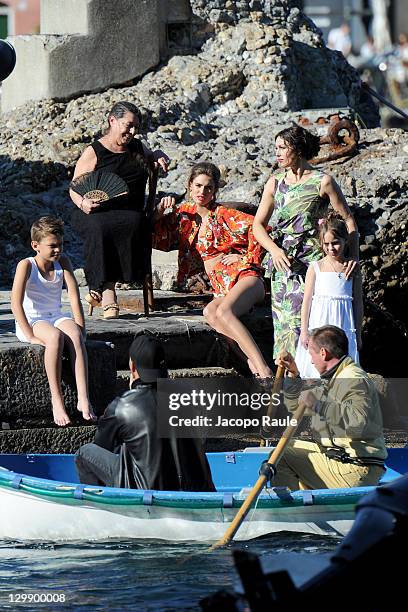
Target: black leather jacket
[{"x": 128, "y": 427}]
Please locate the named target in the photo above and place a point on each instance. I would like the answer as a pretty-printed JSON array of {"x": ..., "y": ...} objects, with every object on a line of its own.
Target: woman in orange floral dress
[{"x": 224, "y": 239}]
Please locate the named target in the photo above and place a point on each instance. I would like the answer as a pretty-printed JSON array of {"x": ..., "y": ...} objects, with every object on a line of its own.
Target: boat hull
[
  {"x": 41, "y": 500},
  {"x": 28, "y": 517}
]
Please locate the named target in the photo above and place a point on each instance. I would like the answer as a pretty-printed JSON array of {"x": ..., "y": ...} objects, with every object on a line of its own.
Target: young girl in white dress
[{"x": 330, "y": 298}]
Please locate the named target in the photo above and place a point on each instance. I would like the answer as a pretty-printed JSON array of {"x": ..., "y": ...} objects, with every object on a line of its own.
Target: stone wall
[{"x": 24, "y": 391}]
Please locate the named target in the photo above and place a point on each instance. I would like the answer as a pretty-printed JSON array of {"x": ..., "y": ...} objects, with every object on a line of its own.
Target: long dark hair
[
  {"x": 210, "y": 170},
  {"x": 304, "y": 143}
]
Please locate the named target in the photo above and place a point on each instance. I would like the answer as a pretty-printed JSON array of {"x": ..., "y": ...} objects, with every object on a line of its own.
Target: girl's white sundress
[{"x": 332, "y": 304}]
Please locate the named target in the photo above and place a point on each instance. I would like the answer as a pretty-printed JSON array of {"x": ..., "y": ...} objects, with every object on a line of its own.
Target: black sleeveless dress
[{"x": 117, "y": 238}]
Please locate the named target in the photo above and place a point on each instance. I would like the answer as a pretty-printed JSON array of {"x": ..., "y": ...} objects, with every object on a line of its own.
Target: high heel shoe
[
  {"x": 111, "y": 311},
  {"x": 94, "y": 299}
]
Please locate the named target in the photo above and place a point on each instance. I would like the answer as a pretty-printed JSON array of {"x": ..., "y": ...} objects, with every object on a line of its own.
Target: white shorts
[{"x": 51, "y": 320}]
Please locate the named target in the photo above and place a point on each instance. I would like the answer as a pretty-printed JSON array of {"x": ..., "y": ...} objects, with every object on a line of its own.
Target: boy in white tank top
[{"x": 36, "y": 305}]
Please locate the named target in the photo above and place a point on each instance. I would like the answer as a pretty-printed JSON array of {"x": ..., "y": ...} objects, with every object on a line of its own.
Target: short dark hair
[
  {"x": 120, "y": 109},
  {"x": 331, "y": 338},
  {"x": 46, "y": 226},
  {"x": 304, "y": 143},
  {"x": 147, "y": 354}
]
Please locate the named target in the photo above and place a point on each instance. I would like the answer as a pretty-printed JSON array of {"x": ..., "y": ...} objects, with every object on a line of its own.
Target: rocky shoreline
[{"x": 256, "y": 75}]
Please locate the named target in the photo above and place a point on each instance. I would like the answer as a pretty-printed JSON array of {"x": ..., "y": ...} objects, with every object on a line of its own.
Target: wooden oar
[
  {"x": 274, "y": 459},
  {"x": 277, "y": 385}
]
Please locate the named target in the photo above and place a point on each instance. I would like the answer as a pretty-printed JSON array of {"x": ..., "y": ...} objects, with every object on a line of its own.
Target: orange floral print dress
[
  {"x": 178, "y": 230},
  {"x": 227, "y": 231}
]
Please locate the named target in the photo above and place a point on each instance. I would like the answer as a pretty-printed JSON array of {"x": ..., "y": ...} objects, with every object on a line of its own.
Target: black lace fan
[{"x": 99, "y": 186}]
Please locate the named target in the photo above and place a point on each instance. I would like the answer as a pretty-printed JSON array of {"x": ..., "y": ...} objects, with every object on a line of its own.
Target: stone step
[
  {"x": 122, "y": 381},
  {"x": 39, "y": 435},
  {"x": 24, "y": 389},
  {"x": 210, "y": 372},
  {"x": 187, "y": 339},
  {"x": 46, "y": 439},
  {"x": 69, "y": 439}
]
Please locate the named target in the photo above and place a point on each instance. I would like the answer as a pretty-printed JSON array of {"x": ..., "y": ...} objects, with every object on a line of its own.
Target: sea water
[{"x": 129, "y": 575}]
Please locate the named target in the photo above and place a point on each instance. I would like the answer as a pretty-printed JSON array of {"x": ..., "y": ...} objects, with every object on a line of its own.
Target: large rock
[{"x": 164, "y": 270}]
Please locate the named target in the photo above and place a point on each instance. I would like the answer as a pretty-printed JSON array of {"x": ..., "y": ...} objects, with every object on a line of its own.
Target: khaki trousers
[{"x": 304, "y": 466}]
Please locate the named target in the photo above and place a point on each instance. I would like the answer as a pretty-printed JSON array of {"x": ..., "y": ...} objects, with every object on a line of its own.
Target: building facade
[{"x": 19, "y": 17}]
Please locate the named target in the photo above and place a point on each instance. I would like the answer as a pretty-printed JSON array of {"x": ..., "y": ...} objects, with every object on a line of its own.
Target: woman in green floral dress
[{"x": 292, "y": 202}]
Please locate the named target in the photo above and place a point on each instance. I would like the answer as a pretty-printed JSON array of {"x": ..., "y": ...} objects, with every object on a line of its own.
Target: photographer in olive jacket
[{"x": 126, "y": 451}]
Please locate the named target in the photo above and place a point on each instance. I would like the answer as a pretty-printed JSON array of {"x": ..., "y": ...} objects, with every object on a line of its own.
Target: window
[{"x": 6, "y": 21}]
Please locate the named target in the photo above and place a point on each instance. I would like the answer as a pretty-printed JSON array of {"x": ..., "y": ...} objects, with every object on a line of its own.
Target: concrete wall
[
  {"x": 176, "y": 10},
  {"x": 23, "y": 83},
  {"x": 87, "y": 45},
  {"x": 401, "y": 18},
  {"x": 56, "y": 19}
]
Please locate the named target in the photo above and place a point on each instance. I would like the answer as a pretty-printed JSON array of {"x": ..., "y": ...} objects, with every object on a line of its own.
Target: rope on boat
[
  {"x": 251, "y": 517},
  {"x": 190, "y": 501}
]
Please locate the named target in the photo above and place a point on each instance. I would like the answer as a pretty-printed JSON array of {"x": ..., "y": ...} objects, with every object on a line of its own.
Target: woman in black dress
[{"x": 116, "y": 234}]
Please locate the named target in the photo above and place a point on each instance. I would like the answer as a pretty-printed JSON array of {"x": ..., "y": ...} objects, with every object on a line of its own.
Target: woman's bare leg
[
  {"x": 109, "y": 294},
  {"x": 210, "y": 313},
  {"x": 53, "y": 341},
  {"x": 79, "y": 360},
  {"x": 223, "y": 315},
  {"x": 252, "y": 367}
]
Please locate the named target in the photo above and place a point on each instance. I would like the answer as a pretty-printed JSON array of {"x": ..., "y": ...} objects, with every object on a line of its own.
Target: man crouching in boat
[
  {"x": 126, "y": 451},
  {"x": 349, "y": 448}
]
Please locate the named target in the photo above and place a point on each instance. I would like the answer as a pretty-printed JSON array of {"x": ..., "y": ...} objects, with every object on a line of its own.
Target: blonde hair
[{"x": 46, "y": 226}]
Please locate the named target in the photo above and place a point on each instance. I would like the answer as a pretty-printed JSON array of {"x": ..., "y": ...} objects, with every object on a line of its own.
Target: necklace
[{"x": 334, "y": 269}]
